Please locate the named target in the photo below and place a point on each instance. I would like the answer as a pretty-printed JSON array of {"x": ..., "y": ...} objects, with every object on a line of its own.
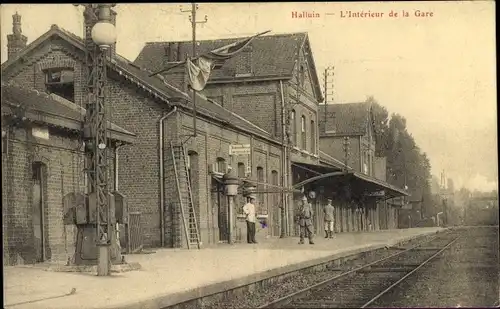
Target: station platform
[{"x": 171, "y": 276}]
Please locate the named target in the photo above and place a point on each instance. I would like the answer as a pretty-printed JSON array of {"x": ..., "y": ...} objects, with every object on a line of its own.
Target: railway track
[{"x": 362, "y": 286}]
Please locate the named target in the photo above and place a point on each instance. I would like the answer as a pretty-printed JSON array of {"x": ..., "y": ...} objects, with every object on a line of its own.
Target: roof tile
[
  {"x": 346, "y": 118},
  {"x": 141, "y": 78},
  {"x": 272, "y": 55},
  {"x": 47, "y": 103}
]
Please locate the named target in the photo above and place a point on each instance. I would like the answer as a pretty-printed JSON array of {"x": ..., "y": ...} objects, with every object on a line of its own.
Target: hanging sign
[{"x": 376, "y": 193}]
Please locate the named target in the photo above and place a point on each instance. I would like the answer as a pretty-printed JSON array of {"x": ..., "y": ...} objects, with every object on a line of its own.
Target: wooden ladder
[{"x": 185, "y": 196}]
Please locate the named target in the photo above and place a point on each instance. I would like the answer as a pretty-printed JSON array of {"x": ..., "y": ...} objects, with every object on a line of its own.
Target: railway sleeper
[
  {"x": 427, "y": 248},
  {"x": 386, "y": 269},
  {"x": 324, "y": 304},
  {"x": 398, "y": 248}
]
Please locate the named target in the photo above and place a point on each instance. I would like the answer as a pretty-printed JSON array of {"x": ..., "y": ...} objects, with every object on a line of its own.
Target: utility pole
[
  {"x": 346, "y": 144},
  {"x": 288, "y": 141},
  {"x": 192, "y": 19},
  {"x": 328, "y": 76}
]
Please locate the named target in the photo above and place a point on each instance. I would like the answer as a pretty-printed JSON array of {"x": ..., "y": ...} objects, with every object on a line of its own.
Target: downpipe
[
  {"x": 162, "y": 175},
  {"x": 116, "y": 168},
  {"x": 284, "y": 173},
  {"x": 115, "y": 183}
]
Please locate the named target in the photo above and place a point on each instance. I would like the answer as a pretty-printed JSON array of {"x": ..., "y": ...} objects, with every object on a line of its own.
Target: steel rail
[
  {"x": 408, "y": 274},
  {"x": 289, "y": 298}
]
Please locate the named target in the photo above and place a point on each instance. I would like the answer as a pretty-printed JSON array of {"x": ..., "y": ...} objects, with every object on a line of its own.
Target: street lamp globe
[{"x": 104, "y": 34}]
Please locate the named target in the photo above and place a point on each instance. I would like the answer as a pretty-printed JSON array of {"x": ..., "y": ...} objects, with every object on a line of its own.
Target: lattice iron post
[{"x": 95, "y": 130}]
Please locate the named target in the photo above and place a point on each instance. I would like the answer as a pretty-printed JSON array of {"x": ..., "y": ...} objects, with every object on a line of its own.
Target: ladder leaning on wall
[{"x": 185, "y": 195}]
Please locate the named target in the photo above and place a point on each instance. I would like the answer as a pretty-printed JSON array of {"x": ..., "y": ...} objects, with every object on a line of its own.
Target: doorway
[
  {"x": 38, "y": 211},
  {"x": 220, "y": 206}
]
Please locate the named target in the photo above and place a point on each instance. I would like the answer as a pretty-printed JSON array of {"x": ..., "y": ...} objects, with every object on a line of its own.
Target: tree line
[{"x": 407, "y": 165}]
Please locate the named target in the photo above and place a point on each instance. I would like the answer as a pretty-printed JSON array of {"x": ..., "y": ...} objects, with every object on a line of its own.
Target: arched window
[
  {"x": 194, "y": 178},
  {"x": 293, "y": 127},
  {"x": 241, "y": 174},
  {"x": 303, "y": 131},
  {"x": 192, "y": 165},
  {"x": 241, "y": 170},
  {"x": 313, "y": 136},
  {"x": 221, "y": 165},
  {"x": 260, "y": 186}
]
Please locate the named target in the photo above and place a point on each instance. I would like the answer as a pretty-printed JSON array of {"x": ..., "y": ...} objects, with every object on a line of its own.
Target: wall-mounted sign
[
  {"x": 40, "y": 132},
  {"x": 239, "y": 150},
  {"x": 376, "y": 193}
]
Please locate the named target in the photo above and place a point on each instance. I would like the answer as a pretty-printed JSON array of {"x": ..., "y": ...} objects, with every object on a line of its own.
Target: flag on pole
[
  {"x": 199, "y": 72},
  {"x": 199, "y": 69}
]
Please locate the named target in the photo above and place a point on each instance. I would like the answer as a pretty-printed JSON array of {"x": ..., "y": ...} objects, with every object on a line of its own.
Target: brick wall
[
  {"x": 55, "y": 53},
  {"x": 59, "y": 155},
  {"x": 258, "y": 102},
  {"x": 139, "y": 164},
  {"x": 62, "y": 157},
  {"x": 139, "y": 174},
  {"x": 380, "y": 168},
  {"x": 309, "y": 109},
  {"x": 213, "y": 142},
  {"x": 333, "y": 146}
]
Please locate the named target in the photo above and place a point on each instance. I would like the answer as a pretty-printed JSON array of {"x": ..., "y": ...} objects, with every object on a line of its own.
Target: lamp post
[
  {"x": 100, "y": 35},
  {"x": 231, "y": 183}
]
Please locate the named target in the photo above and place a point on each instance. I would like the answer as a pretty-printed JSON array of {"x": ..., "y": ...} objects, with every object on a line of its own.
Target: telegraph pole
[
  {"x": 192, "y": 19},
  {"x": 345, "y": 145},
  {"x": 328, "y": 76}
]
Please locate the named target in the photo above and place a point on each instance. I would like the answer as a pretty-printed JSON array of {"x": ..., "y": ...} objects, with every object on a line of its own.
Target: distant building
[{"x": 353, "y": 123}]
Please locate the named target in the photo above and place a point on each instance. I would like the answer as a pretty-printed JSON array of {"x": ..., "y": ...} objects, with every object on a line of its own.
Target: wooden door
[{"x": 38, "y": 213}]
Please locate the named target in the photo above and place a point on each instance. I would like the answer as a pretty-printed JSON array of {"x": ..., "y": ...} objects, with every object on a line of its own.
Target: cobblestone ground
[{"x": 466, "y": 275}]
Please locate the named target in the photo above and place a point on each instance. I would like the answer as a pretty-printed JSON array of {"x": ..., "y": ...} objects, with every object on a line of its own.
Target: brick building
[
  {"x": 158, "y": 113},
  {"x": 355, "y": 122},
  {"x": 42, "y": 161},
  {"x": 273, "y": 83},
  {"x": 270, "y": 88}
]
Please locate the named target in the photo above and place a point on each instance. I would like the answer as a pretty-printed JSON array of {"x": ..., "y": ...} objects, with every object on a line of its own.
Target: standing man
[
  {"x": 249, "y": 211},
  {"x": 305, "y": 221},
  {"x": 328, "y": 211}
]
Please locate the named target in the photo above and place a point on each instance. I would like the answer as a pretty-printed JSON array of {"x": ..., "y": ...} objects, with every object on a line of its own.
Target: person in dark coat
[{"x": 305, "y": 221}]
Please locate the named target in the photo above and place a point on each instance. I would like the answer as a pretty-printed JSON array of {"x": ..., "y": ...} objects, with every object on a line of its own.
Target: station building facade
[
  {"x": 158, "y": 113},
  {"x": 273, "y": 83},
  {"x": 42, "y": 162},
  {"x": 244, "y": 107}
]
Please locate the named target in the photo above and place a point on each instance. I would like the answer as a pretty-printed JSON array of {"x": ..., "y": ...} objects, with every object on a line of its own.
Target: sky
[{"x": 437, "y": 71}]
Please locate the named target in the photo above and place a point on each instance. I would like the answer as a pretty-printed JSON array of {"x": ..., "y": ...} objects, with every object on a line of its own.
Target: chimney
[{"x": 15, "y": 41}]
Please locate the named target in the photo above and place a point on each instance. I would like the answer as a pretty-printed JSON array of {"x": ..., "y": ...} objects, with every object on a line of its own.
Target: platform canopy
[{"x": 360, "y": 183}]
